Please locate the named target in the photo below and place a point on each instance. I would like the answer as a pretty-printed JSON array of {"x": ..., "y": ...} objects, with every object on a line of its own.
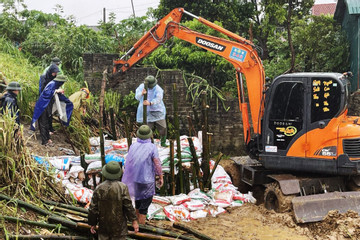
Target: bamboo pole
[
  {"x": 177, "y": 130},
  {"x": 62, "y": 221},
  {"x": 205, "y": 167},
  {"x": 19, "y": 237},
  {"x": 208, "y": 183},
  {"x": 127, "y": 130},
  {"x": 26, "y": 205},
  {"x": 112, "y": 120},
  {"x": 191, "y": 126},
  {"x": 148, "y": 236},
  {"x": 101, "y": 106},
  {"x": 78, "y": 209},
  {"x": 192, "y": 231},
  {"x": 161, "y": 231},
  {"x": 144, "y": 106},
  {"x": 196, "y": 164},
  {"x": 172, "y": 167},
  {"x": 33, "y": 223},
  {"x": 63, "y": 198},
  {"x": 71, "y": 211}
]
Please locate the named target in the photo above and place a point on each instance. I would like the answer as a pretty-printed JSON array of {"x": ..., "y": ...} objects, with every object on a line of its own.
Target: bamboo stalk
[
  {"x": 177, "y": 130},
  {"x": 19, "y": 237},
  {"x": 84, "y": 165},
  {"x": 191, "y": 126},
  {"x": 71, "y": 211},
  {"x": 26, "y": 205},
  {"x": 187, "y": 182},
  {"x": 161, "y": 231},
  {"x": 196, "y": 164},
  {"x": 33, "y": 223},
  {"x": 101, "y": 106},
  {"x": 148, "y": 236},
  {"x": 208, "y": 183},
  {"x": 62, "y": 221},
  {"x": 144, "y": 106},
  {"x": 112, "y": 119},
  {"x": 192, "y": 231},
  {"x": 78, "y": 209},
  {"x": 205, "y": 167},
  {"x": 127, "y": 130},
  {"x": 172, "y": 167}
]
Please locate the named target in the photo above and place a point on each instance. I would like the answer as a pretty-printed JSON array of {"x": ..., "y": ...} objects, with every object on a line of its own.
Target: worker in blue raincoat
[
  {"x": 43, "y": 108},
  {"x": 49, "y": 73},
  {"x": 156, "y": 111}
]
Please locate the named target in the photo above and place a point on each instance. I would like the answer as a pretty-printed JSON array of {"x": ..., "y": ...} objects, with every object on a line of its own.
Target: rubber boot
[{"x": 163, "y": 141}]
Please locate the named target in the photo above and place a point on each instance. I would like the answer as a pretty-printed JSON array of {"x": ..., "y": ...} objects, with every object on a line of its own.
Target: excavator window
[{"x": 288, "y": 102}]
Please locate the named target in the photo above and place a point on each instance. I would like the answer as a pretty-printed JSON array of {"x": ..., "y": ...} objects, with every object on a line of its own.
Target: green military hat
[
  {"x": 112, "y": 170},
  {"x": 56, "y": 60},
  {"x": 60, "y": 78},
  {"x": 14, "y": 86},
  {"x": 144, "y": 132},
  {"x": 151, "y": 81}
]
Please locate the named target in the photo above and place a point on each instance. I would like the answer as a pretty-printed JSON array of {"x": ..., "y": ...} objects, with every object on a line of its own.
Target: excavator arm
[{"x": 240, "y": 53}]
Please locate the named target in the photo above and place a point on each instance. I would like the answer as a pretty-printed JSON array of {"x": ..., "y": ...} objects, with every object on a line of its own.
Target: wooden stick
[
  {"x": 196, "y": 164},
  {"x": 205, "y": 167},
  {"x": 208, "y": 183},
  {"x": 192, "y": 231},
  {"x": 33, "y": 223},
  {"x": 78, "y": 209},
  {"x": 62, "y": 221},
  {"x": 85, "y": 215},
  {"x": 101, "y": 108},
  {"x": 177, "y": 130},
  {"x": 84, "y": 165},
  {"x": 144, "y": 106},
  {"x": 112, "y": 119},
  {"x": 172, "y": 166}
]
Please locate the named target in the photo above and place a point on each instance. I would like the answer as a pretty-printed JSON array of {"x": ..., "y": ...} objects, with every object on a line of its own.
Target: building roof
[{"x": 319, "y": 9}]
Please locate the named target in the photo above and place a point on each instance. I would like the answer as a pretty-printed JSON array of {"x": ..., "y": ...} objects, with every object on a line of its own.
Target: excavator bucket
[{"x": 314, "y": 208}]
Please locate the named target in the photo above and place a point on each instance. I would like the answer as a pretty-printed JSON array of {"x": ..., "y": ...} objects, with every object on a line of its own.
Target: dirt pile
[{"x": 337, "y": 226}]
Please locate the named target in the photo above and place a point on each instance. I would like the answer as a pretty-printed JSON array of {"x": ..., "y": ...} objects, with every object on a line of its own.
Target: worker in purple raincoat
[{"x": 141, "y": 166}]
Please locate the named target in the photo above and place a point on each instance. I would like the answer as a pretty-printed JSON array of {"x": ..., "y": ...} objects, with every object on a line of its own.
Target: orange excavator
[{"x": 306, "y": 147}]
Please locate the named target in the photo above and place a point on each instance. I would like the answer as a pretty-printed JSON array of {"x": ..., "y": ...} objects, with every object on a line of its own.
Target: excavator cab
[{"x": 304, "y": 114}]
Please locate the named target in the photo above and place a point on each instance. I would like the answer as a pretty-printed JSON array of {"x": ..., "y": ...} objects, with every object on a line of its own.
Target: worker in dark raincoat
[
  {"x": 111, "y": 206},
  {"x": 49, "y": 73},
  {"x": 43, "y": 108},
  {"x": 9, "y": 100}
]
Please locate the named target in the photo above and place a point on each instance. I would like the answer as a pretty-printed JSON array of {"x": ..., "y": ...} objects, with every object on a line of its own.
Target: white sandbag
[
  {"x": 197, "y": 194},
  {"x": 244, "y": 197},
  {"x": 75, "y": 171},
  {"x": 94, "y": 167},
  {"x": 161, "y": 200},
  {"x": 176, "y": 213},
  {"x": 89, "y": 158},
  {"x": 153, "y": 210},
  {"x": 179, "y": 199},
  {"x": 91, "y": 181},
  {"x": 194, "y": 205},
  {"x": 61, "y": 162},
  {"x": 198, "y": 214},
  {"x": 215, "y": 210},
  {"x": 226, "y": 195}
]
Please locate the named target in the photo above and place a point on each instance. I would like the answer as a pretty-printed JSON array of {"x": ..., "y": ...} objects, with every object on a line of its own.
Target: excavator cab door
[{"x": 284, "y": 119}]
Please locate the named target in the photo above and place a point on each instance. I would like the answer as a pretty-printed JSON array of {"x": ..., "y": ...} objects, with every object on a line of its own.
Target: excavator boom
[{"x": 240, "y": 53}]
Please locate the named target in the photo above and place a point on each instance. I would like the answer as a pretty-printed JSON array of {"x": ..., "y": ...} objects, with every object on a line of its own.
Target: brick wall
[{"x": 225, "y": 126}]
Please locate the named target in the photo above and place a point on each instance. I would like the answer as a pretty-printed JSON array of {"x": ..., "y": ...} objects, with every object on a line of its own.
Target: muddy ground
[{"x": 246, "y": 222}]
